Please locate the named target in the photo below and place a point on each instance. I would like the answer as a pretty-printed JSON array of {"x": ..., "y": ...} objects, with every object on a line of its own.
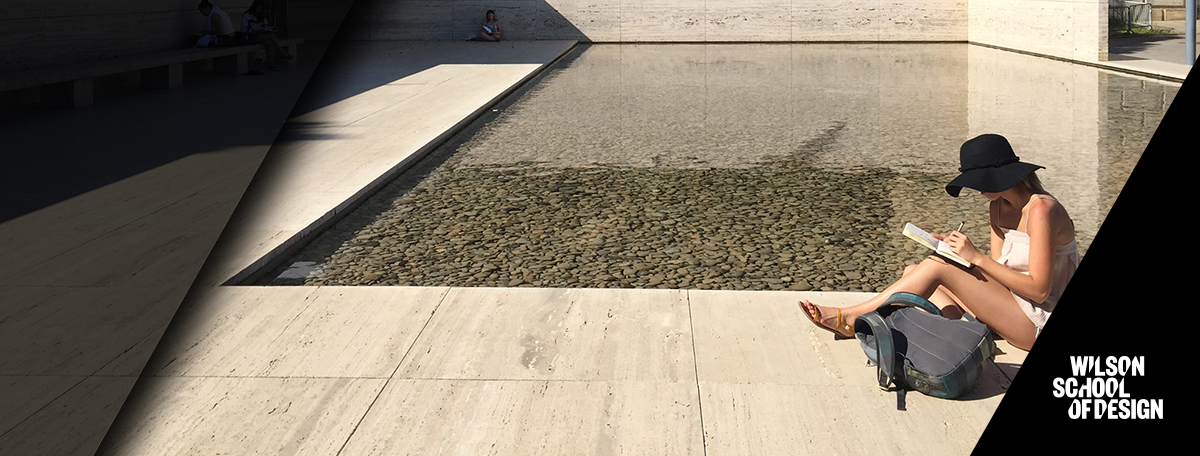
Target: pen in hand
[{"x": 960, "y": 226}]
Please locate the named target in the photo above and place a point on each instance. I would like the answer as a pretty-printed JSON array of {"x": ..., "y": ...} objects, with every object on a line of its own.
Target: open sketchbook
[{"x": 934, "y": 244}]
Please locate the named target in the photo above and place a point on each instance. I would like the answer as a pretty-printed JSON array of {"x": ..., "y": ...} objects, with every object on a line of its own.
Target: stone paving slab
[
  {"x": 754, "y": 419},
  {"x": 106, "y": 261},
  {"x": 764, "y": 337},
  {"x": 128, "y": 200},
  {"x": 527, "y": 371},
  {"x": 296, "y": 332},
  {"x": 556, "y": 334},
  {"x": 22, "y": 396},
  {"x": 77, "y": 330},
  {"x": 531, "y": 417},
  {"x": 171, "y": 415},
  {"x": 75, "y": 425}
]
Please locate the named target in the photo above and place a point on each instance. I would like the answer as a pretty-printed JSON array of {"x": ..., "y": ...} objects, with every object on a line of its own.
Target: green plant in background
[{"x": 1122, "y": 31}]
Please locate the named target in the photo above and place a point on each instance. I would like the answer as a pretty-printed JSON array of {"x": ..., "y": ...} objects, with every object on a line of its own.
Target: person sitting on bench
[
  {"x": 218, "y": 29},
  {"x": 491, "y": 27},
  {"x": 257, "y": 31}
]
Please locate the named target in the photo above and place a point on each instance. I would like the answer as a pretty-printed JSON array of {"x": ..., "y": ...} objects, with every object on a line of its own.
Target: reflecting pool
[{"x": 747, "y": 166}]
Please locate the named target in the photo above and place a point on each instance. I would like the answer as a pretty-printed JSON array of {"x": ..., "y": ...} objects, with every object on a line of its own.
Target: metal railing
[{"x": 1129, "y": 14}]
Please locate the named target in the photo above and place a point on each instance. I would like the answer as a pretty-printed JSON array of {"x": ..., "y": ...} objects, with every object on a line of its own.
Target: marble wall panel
[
  {"x": 316, "y": 19},
  {"x": 584, "y": 20},
  {"x": 517, "y": 18},
  {"x": 752, "y": 20},
  {"x": 823, "y": 20},
  {"x": 1072, "y": 29}
]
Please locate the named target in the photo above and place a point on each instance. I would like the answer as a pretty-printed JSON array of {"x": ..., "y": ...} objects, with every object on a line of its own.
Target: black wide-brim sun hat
[{"x": 989, "y": 165}]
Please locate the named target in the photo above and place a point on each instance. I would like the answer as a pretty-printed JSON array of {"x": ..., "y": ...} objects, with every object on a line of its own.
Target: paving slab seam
[
  {"x": 280, "y": 253},
  {"x": 431, "y": 86},
  {"x": 122, "y": 354},
  {"x": 551, "y": 380},
  {"x": 696, "y": 368},
  {"x": 43, "y": 407},
  {"x": 394, "y": 371},
  {"x": 83, "y": 378}
]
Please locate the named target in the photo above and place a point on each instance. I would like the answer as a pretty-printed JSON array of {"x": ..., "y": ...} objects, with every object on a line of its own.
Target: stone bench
[{"x": 70, "y": 86}]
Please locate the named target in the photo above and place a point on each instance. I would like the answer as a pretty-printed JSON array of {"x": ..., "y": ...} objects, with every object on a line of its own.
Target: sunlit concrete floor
[
  {"x": 1159, "y": 54},
  {"x": 416, "y": 370},
  {"x": 108, "y": 213}
]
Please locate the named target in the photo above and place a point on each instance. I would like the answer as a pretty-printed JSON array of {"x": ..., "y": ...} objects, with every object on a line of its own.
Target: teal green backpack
[{"x": 914, "y": 347}]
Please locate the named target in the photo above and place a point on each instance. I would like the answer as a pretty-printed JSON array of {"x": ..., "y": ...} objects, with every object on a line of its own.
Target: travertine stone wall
[
  {"x": 54, "y": 32},
  {"x": 665, "y": 20},
  {"x": 1072, "y": 29},
  {"x": 1075, "y": 29},
  {"x": 316, "y": 19}
]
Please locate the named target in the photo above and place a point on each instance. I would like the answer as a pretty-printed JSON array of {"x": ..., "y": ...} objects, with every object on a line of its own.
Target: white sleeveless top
[{"x": 1015, "y": 255}]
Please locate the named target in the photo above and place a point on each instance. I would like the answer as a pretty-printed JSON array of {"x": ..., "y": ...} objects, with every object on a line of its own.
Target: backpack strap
[
  {"x": 885, "y": 356},
  {"x": 911, "y": 300},
  {"x": 885, "y": 349}
]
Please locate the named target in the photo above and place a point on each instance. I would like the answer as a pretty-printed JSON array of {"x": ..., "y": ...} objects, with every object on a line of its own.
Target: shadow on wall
[{"x": 458, "y": 19}]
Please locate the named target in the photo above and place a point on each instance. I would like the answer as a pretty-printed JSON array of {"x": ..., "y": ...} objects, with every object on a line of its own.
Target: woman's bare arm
[{"x": 1038, "y": 283}]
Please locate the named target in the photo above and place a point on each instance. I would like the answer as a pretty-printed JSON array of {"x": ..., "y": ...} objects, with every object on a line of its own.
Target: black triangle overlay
[{"x": 1131, "y": 296}]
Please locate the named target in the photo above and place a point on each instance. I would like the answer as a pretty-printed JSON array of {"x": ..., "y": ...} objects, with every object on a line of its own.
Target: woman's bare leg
[
  {"x": 943, "y": 298},
  {"x": 484, "y": 36},
  {"x": 990, "y": 301}
]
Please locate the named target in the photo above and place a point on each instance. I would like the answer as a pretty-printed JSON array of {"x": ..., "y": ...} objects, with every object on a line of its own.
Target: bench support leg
[
  {"x": 70, "y": 94},
  {"x": 294, "y": 50},
  {"x": 237, "y": 64},
  {"x": 163, "y": 77}
]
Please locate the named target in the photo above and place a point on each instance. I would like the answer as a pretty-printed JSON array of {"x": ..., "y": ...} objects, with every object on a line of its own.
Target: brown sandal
[{"x": 815, "y": 316}]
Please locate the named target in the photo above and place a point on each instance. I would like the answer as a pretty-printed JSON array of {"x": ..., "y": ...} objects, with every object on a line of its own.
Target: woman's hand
[{"x": 961, "y": 245}]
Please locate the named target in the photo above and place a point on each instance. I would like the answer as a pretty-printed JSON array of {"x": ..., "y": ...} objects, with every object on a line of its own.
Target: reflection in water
[{"x": 772, "y": 166}]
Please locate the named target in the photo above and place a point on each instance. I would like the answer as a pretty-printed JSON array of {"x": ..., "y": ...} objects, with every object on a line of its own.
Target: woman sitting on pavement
[
  {"x": 1033, "y": 254},
  {"x": 491, "y": 27}
]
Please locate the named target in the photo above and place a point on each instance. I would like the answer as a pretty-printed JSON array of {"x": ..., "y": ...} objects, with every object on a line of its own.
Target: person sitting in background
[
  {"x": 218, "y": 29},
  {"x": 491, "y": 27},
  {"x": 257, "y": 31}
]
